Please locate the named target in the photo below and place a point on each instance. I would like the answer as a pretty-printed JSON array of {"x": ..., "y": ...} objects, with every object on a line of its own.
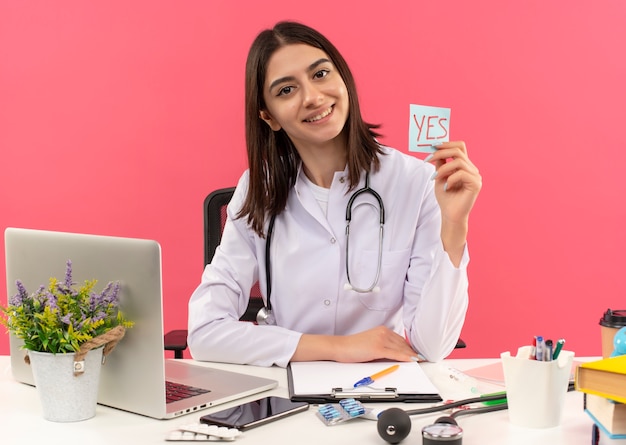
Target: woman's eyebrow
[{"x": 311, "y": 67}]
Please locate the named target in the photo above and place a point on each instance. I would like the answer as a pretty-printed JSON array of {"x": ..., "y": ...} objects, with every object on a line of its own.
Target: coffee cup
[{"x": 611, "y": 322}]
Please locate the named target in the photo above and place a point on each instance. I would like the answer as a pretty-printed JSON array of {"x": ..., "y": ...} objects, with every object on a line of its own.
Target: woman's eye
[
  {"x": 284, "y": 90},
  {"x": 320, "y": 74}
]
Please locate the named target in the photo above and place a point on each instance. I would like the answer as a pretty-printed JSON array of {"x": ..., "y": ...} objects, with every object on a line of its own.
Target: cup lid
[{"x": 614, "y": 319}]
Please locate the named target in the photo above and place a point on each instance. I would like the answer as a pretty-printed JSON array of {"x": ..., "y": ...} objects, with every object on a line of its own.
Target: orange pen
[{"x": 372, "y": 378}]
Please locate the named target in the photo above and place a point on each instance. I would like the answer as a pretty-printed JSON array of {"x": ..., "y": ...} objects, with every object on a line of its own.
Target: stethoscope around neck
[{"x": 265, "y": 315}]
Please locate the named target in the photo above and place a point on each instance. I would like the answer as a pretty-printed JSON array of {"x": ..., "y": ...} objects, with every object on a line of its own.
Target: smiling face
[{"x": 305, "y": 95}]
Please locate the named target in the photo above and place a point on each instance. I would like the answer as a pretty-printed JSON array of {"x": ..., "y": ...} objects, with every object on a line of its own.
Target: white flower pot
[{"x": 65, "y": 397}]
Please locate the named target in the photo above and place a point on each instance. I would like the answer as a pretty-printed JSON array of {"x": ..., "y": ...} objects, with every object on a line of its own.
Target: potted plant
[{"x": 66, "y": 329}]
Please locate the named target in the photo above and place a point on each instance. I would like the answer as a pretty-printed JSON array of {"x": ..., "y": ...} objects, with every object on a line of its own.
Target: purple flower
[
  {"x": 99, "y": 316},
  {"x": 68, "y": 275},
  {"x": 41, "y": 295},
  {"x": 112, "y": 295},
  {"x": 107, "y": 298},
  {"x": 95, "y": 300},
  {"x": 22, "y": 294},
  {"x": 52, "y": 301}
]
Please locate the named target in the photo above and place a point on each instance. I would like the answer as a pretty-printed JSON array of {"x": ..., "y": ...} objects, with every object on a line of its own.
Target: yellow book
[{"x": 605, "y": 378}]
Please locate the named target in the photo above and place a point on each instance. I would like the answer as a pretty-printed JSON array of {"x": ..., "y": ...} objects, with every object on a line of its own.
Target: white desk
[{"x": 22, "y": 421}]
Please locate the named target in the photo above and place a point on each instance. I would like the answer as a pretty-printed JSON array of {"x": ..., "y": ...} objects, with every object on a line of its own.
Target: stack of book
[
  {"x": 604, "y": 384},
  {"x": 609, "y": 415}
]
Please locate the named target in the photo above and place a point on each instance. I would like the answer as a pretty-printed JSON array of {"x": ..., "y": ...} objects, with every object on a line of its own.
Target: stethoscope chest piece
[
  {"x": 265, "y": 316},
  {"x": 441, "y": 433}
]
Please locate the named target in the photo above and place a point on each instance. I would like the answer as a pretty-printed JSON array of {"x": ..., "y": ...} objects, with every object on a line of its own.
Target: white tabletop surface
[{"x": 22, "y": 421}]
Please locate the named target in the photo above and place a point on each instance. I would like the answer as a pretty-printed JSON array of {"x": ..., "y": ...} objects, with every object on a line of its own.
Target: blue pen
[
  {"x": 370, "y": 379},
  {"x": 539, "y": 350}
]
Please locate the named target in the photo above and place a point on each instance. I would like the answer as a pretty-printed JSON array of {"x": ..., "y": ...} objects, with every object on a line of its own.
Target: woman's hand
[
  {"x": 373, "y": 344},
  {"x": 457, "y": 184}
]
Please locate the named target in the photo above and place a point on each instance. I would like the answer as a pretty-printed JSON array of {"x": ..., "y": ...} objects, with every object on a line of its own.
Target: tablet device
[{"x": 255, "y": 413}]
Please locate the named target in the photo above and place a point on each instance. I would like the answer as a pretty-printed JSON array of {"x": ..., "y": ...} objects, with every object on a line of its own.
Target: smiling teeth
[{"x": 320, "y": 116}]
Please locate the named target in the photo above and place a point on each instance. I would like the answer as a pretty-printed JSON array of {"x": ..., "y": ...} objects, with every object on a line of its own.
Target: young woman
[{"x": 393, "y": 285}]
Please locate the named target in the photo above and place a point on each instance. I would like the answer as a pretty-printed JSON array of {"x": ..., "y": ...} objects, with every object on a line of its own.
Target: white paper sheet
[{"x": 321, "y": 377}]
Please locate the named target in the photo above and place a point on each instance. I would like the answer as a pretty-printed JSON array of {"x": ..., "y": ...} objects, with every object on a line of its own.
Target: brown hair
[{"x": 272, "y": 158}]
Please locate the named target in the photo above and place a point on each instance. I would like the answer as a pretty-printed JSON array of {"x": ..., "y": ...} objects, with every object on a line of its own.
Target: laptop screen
[
  {"x": 33, "y": 256},
  {"x": 133, "y": 377}
]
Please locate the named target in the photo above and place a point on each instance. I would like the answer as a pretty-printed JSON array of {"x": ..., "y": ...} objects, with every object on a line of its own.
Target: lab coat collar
[{"x": 305, "y": 196}]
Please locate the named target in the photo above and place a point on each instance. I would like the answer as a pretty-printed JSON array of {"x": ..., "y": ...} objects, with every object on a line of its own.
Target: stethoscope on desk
[
  {"x": 394, "y": 424},
  {"x": 265, "y": 315}
]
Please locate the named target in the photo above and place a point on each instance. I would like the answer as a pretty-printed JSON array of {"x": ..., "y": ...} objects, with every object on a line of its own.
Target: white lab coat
[{"x": 422, "y": 295}]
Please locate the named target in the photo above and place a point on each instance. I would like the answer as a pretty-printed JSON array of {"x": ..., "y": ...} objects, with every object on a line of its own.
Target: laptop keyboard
[{"x": 178, "y": 391}]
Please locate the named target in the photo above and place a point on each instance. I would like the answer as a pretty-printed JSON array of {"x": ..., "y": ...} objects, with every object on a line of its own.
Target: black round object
[{"x": 394, "y": 424}]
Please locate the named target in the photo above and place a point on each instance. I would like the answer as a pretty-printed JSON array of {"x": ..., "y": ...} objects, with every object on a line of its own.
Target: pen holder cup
[{"x": 536, "y": 389}]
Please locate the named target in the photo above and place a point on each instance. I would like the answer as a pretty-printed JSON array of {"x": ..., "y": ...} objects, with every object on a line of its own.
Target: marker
[
  {"x": 372, "y": 378},
  {"x": 533, "y": 349},
  {"x": 559, "y": 345},
  {"x": 491, "y": 401},
  {"x": 548, "y": 351}
]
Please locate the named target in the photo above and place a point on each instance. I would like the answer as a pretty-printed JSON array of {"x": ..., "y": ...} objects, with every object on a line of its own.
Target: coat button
[
  {"x": 333, "y": 241},
  {"x": 326, "y": 302}
]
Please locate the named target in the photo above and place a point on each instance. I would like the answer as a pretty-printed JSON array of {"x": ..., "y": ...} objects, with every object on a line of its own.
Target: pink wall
[{"x": 118, "y": 117}]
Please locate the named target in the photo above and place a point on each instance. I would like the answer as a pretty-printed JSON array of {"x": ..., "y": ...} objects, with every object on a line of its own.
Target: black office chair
[
  {"x": 214, "y": 219},
  {"x": 214, "y": 210}
]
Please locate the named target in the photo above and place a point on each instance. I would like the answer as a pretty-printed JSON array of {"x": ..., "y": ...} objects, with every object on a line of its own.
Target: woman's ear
[{"x": 269, "y": 120}]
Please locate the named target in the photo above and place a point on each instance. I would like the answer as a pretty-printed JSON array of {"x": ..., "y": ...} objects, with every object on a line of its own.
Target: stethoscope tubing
[
  {"x": 268, "y": 271},
  {"x": 381, "y": 234},
  {"x": 267, "y": 309}
]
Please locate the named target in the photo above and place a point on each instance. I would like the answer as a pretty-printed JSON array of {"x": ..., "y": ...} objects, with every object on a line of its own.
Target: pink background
[{"x": 118, "y": 117}]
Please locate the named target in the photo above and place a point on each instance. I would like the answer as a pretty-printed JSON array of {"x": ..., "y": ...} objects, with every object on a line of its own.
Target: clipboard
[{"x": 329, "y": 382}]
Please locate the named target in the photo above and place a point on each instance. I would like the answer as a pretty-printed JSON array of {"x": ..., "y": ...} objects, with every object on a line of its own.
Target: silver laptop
[{"x": 134, "y": 375}]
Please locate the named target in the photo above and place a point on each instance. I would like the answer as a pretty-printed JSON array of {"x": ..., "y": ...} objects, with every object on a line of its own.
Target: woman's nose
[{"x": 312, "y": 95}]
